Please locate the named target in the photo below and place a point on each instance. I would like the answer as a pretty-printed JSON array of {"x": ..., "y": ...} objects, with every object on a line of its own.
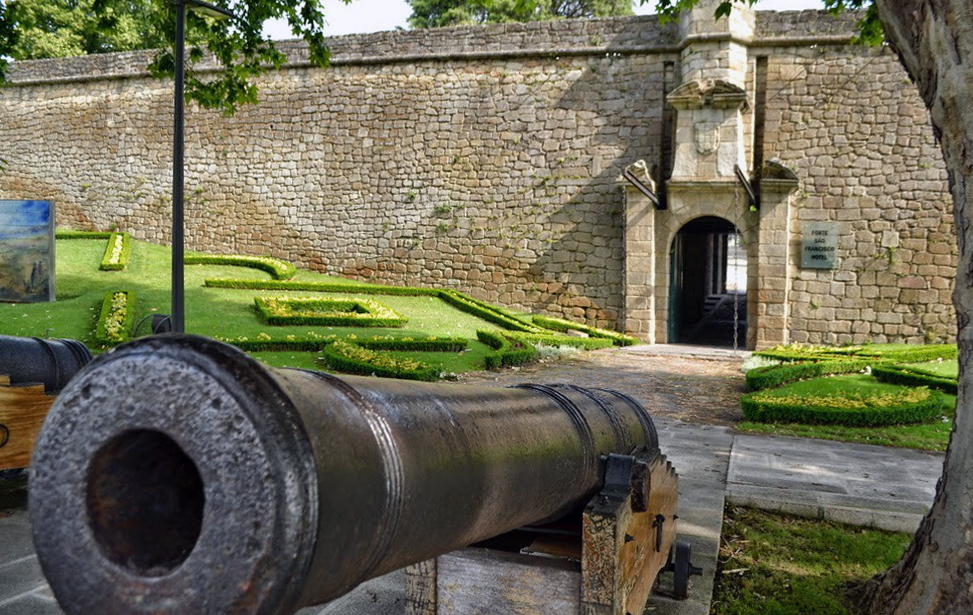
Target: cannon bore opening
[{"x": 145, "y": 502}]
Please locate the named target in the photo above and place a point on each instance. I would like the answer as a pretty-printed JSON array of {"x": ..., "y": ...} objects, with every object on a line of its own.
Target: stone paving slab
[
  {"x": 700, "y": 454},
  {"x": 860, "y": 484},
  {"x": 684, "y": 351}
]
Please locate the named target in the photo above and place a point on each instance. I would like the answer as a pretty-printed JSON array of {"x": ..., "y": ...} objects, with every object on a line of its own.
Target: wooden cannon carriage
[
  {"x": 603, "y": 560},
  {"x": 32, "y": 370}
]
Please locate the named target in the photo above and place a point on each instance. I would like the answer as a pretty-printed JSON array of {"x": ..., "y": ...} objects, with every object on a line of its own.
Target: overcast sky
[{"x": 361, "y": 16}]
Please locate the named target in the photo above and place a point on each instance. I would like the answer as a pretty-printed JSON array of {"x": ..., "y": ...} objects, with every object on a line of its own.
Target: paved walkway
[{"x": 862, "y": 484}]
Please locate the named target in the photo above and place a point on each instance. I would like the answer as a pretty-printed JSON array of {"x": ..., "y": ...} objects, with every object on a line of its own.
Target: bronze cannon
[{"x": 177, "y": 475}]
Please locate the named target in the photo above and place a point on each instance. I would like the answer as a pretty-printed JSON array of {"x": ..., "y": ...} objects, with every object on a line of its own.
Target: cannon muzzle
[{"x": 177, "y": 475}]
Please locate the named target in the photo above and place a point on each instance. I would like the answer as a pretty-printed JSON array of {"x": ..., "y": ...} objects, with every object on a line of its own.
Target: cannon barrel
[
  {"x": 34, "y": 360},
  {"x": 177, "y": 475}
]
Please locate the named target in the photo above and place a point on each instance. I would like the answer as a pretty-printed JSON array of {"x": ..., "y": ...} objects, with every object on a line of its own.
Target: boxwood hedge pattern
[
  {"x": 805, "y": 362},
  {"x": 876, "y": 352},
  {"x": 910, "y": 376},
  {"x": 283, "y": 311},
  {"x": 116, "y": 318},
  {"x": 773, "y": 376},
  {"x": 352, "y": 358},
  {"x": 559, "y": 324},
  {"x": 313, "y": 342},
  {"x": 909, "y": 405},
  {"x": 116, "y": 252},
  {"x": 515, "y": 345},
  {"x": 277, "y": 268}
]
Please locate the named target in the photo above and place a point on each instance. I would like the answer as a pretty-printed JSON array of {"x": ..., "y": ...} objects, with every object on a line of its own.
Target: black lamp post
[{"x": 178, "y": 152}]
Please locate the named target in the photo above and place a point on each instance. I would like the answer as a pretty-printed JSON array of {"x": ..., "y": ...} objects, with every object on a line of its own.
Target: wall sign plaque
[{"x": 819, "y": 245}]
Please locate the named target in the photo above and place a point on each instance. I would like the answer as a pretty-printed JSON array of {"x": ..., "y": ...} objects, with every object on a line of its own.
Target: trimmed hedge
[
  {"x": 918, "y": 354},
  {"x": 805, "y": 352},
  {"x": 773, "y": 376},
  {"x": 281, "y": 311},
  {"x": 487, "y": 312},
  {"x": 277, "y": 268},
  {"x": 116, "y": 252},
  {"x": 354, "y": 359},
  {"x": 456, "y": 299},
  {"x": 586, "y": 343},
  {"x": 560, "y": 324},
  {"x": 901, "y": 374},
  {"x": 116, "y": 318},
  {"x": 406, "y": 344},
  {"x": 69, "y": 234},
  {"x": 508, "y": 352},
  {"x": 321, "y": 287},
  {"x": 316, "y": 343},
  {"x": 910, "y": 406}
]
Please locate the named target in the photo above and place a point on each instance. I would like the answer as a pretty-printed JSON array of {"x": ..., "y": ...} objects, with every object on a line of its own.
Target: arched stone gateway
[
  {"x": 678, "y": 236},
  {"x": 708, "y": 284}
]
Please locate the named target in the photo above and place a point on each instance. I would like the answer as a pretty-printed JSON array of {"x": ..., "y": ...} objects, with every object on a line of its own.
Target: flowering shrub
[
  {"x": 116, "y": 318},
  {"x": 352, "y": 358},
  {"x": 116, "y": 252},
  {"x": 907, "y": 405},
  {"x": 328, "y": 312}
]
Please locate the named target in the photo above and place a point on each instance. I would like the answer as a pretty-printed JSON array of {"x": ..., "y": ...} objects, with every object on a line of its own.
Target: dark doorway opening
[{"x": 708, "y": 285}]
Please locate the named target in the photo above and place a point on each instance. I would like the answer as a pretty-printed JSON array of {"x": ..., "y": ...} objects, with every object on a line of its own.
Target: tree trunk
[{"x": 934, "y": 40}]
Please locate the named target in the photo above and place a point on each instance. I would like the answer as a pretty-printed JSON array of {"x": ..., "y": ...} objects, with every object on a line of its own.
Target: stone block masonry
[
  {"x": 850, "y": 124},
  {"x": 488, "y": 159}
]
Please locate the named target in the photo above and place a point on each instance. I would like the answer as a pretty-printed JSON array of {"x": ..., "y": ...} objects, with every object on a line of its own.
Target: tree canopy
[
  {"x": 32, "y": 29},
  {"x": 63, "y": 28},
  {"x": 437, "y": 13}
]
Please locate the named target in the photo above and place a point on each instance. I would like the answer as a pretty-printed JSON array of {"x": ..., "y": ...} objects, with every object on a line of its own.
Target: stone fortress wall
[{"x": 489, "y": 159}]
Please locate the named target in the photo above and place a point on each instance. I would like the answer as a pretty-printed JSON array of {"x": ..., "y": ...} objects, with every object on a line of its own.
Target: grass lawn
[
  {"x": 772, "y": 564},
  {"x": 218, "y": 312},
  {"x": 927, "y": 436}
]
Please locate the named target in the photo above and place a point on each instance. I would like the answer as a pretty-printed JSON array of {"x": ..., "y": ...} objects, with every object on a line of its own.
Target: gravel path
[{"x": 690, "y": 389}]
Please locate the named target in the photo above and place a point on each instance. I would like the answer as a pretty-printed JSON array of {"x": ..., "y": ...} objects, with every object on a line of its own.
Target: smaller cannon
[
  {"x": 32, "y": 371},
  {"x": 177, "y": 475}
]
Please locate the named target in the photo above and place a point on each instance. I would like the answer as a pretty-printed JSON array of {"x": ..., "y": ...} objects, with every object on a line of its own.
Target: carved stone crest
[{"x": 707, "y": 137}]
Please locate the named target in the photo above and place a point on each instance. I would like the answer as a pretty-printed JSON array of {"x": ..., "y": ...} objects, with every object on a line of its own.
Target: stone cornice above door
[{"x": 711, "y": 93}]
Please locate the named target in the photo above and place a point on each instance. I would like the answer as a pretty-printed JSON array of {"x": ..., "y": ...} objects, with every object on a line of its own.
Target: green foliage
[
  {"x": 408, "y": 344},
  {"x": 485, "y": 311},
  {"x": 283, "y": 311},
  {"x": 64, "y": 28},
  {"x": 117, "y": 250},
  {"x": 772, "y": 376},
  {"x": 352, "y": 358},
  {"x": 277, "y": 268},
  {"x": 438, "y": 13},
  {"x": 899, "y": 353},
  {"x": 933, "y": 436},
  {"x": 908, "y": 375},
  {"x": 559, "y": 324},
  {"x": 314, "y": 343},
  {"x": 116, "y": 318},
  {"x": 845, "y": 400},
  {"x": 773, "y": 564},
  {"x": 509, "y": 352},
  {"x": 870, "y": 30},
  {"x": 68, "y": 234},
  {"x": 539, "y": 339},
  {"x": 322, "y": 287},
  {"x": 55, "y": 28}
]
